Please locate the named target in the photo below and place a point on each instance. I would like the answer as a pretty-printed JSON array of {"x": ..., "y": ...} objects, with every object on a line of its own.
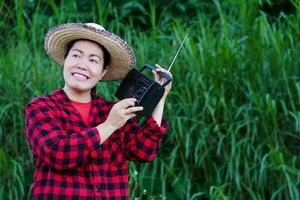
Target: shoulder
[{"x": 48, "y": 100}]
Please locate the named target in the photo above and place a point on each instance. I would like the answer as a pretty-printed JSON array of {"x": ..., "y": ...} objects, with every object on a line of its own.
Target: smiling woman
[
  {"x": 80, "y": 141},
  {"x": 83, "y": 68}
]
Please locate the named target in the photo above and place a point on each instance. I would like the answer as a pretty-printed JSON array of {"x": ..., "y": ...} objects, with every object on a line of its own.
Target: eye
[
  {"x": 93, "y": 60},
  {"x": 75, "y": 56}
]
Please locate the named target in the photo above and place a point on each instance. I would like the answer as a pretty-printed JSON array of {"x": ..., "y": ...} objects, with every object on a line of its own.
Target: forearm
[
  {"x": 63, "y": 151},
  {"x": 142, "y": 142},
  {"x": 118, "y": 116},
  {"x": 158, "y": 111},
  {"x": 105, "y": 130},
  {"x": 56, "y": 146}
]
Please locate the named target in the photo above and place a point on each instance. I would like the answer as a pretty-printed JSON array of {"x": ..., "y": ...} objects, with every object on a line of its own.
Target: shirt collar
[{"x": 64, "y": 99}]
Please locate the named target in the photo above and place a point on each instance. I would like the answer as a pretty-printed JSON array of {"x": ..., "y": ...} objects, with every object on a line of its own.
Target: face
[{"x": 83, "y": 66}]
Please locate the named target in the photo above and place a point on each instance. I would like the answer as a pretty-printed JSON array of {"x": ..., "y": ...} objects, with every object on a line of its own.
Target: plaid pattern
[{"x": 70, "y": 162}]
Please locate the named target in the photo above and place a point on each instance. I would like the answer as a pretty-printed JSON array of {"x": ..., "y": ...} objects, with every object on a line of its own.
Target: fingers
[
  {"x": 125, "y": 103},
  {"x": 122, "y": 111},
  {"x": 127, "y": 106},
  {"x": 161, "y": 69},
  {"x": 159, "y": 78},
  {"x": 135, "y": 109}
]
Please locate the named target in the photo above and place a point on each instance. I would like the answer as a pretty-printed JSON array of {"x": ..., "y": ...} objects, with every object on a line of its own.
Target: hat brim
[{"x": 122, "y": 58}]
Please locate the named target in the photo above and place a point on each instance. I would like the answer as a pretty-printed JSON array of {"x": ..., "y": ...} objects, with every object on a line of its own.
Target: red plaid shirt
[{"x": 70, "y": 162}]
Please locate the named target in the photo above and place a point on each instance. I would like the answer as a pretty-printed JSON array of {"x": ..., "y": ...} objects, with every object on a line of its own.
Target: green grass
[{"x": 233, "y": 109}]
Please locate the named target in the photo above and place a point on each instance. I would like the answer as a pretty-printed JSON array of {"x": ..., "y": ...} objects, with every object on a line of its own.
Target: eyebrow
[{"x": 90, "y": 55}]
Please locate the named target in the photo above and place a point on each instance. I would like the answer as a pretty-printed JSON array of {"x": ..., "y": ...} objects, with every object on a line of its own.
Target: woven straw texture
[{"x": 122, "y": 58}]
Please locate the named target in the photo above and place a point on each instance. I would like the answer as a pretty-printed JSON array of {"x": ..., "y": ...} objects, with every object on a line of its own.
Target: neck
[{"x": 76, "y": 95}]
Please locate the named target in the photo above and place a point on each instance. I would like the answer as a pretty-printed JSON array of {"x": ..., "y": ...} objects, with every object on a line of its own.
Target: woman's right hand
[{"x": 121, "y": 112}]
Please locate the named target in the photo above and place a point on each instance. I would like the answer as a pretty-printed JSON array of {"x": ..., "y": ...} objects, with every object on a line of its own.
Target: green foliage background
[{"x": 233, "y": 110}]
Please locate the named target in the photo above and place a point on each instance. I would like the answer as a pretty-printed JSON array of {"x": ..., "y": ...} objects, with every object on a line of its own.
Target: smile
[{"x": 79, "y": 76}]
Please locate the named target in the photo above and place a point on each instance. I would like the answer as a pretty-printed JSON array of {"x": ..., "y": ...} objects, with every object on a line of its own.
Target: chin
[
  {"x": 82, "y": 90},
  {"x": 80, "y": 87}
]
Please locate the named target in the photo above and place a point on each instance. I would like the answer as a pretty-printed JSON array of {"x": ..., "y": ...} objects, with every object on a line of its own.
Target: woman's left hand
[{"x": 161, "y": 79}]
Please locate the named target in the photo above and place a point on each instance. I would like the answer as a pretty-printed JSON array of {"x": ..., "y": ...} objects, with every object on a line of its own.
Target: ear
[{"x": 104, "y": 71}]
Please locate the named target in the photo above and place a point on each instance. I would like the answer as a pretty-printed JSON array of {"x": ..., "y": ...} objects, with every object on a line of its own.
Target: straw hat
[{"x": 122, "y": 58}]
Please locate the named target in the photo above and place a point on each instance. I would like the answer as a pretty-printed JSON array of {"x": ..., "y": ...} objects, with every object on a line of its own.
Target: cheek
[
  {"x": 69, "y": 62},
  {"x": 97, "y": 71},
  {"x": 65, "y": 73},
  {"x": 66, "y": 68}
]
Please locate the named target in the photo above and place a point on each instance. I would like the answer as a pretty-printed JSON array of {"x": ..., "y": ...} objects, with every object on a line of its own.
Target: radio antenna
[{"x": 177, "y": 52}]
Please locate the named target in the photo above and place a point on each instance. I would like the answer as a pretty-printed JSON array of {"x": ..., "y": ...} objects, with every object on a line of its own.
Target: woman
[{"x": 80, "y": 142}]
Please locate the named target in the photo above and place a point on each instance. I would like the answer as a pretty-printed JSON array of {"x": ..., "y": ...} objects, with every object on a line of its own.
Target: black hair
[{"x": 106, "y": 56}]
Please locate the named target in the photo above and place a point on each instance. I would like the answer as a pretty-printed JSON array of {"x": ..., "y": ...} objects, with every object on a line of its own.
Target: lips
[{"x": 79, "y": 76}]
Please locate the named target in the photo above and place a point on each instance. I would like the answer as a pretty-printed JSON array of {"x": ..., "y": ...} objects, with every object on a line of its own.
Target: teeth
[{"x": 80, "y": 77}]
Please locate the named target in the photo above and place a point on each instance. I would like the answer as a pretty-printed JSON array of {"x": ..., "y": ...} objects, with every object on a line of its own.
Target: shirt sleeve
[
  {"x": 142, "y": 143},
  {"x": 50, "y": 142}
]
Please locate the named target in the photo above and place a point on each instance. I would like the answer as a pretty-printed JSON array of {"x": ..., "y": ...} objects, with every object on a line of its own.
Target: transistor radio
[{"x": 144, "y": 89}]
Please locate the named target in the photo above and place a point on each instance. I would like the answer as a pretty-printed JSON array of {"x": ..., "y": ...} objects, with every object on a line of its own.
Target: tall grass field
[{"x": 233, "y": 111}]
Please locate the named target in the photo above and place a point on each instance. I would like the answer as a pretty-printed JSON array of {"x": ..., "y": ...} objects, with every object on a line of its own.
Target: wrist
[
  {"x": 105, "y": 130},
  {"x": 107, "y": 127}
]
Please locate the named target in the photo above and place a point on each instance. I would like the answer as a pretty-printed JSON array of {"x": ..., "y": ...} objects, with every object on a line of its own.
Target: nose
[
  {"x": 81, "y": 67},
  {"x": 81, "y": 64}
]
